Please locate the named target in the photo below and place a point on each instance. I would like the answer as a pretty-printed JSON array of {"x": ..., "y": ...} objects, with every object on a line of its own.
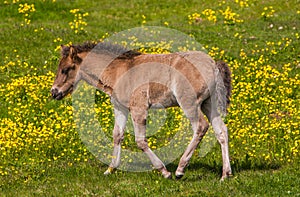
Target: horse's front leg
[
  {"x": 139, "y": 121},
  {"x": 118, "y": 135}
]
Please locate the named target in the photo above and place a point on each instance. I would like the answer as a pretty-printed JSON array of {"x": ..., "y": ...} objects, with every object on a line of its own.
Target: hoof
[
  {"x": 109, "y": 171},
  {"x": 227, "y": 176},
  {"x": 166, "y": 174},
  {"x": 179, "y": 175}
]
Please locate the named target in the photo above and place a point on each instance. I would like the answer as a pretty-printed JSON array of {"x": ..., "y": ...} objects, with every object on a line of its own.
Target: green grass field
[{"x": 41, "y": 153}]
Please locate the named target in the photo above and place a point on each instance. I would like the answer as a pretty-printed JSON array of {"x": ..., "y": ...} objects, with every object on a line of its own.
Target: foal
[{"x": 135, "y": 82}]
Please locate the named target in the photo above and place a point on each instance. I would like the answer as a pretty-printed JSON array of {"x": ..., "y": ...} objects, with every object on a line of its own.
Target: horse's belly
[{"x": 164, "y": 101}]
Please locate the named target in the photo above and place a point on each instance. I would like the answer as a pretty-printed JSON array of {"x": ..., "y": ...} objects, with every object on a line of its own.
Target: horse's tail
[{"x": 223, "y": 86}]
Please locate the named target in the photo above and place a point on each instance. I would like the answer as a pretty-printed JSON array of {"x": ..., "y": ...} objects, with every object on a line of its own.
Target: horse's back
[
  {"x": 179, "y": 72},
  {"x": 165, "y": 78},
  {"x": 193, "y": 65}
]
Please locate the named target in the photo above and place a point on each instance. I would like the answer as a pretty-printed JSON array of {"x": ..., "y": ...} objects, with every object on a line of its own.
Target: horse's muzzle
[{"x": 56, "y": 94}]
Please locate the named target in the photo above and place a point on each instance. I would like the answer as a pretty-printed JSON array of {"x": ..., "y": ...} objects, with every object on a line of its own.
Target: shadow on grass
[
  {"x": 240, "y": 166},
  {"x": 215, "y": 169}
]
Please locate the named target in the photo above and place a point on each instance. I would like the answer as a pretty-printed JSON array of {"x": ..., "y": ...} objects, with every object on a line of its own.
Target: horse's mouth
[{"x": 58, "y": 95}]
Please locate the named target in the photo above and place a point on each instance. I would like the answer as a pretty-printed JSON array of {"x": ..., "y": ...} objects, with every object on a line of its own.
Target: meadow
[{"x": 41, "y": 153}]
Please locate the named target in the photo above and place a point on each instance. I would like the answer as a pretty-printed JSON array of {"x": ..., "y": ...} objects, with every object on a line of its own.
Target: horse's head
[{"x": 67, "y": 73}]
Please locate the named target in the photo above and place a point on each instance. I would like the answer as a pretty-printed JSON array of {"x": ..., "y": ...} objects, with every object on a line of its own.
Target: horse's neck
[
  {"x": 93, "y": 68},
  {"x": 90, "y": 79}
]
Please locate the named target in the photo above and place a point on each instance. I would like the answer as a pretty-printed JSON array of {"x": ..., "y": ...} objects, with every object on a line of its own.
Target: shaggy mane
[{"x": 103, "y": 47}]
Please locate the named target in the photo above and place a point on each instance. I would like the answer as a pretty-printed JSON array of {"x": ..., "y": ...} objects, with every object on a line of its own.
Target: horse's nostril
[{"x": 54, "y": 92}]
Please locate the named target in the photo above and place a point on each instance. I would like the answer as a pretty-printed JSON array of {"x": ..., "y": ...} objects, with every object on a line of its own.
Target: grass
[
  {"x": 41, "y": 152},
  {"x": 86, "y": 179}
]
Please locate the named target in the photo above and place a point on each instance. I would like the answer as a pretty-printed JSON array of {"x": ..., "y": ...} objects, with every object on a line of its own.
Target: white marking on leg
[
  {"x": 222, "y": 136},
  {"x": 118, "y": 134}
]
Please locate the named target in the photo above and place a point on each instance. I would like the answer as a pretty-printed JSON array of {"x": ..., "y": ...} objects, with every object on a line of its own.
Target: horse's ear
[
  {"x": 74, "y": 55},
  {"x": 63, "y": 50},
  {"x": 62, "y": 47},
  {"x": 73, "y": 52}
]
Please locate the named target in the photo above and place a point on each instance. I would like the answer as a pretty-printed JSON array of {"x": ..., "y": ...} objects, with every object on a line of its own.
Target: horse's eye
[{"x": 66, "y": 70}]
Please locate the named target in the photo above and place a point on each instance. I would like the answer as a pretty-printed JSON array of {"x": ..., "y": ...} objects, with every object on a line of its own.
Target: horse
[{"x": 136, "y": 81}]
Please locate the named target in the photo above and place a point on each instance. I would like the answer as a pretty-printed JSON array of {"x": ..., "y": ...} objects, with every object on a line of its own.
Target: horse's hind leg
[
  {"x": 139, "y": 116},
  {"x": 221, "y": 134},
  {"x": 118, "y": 135},
  {"x": 200, "y": 126}
]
